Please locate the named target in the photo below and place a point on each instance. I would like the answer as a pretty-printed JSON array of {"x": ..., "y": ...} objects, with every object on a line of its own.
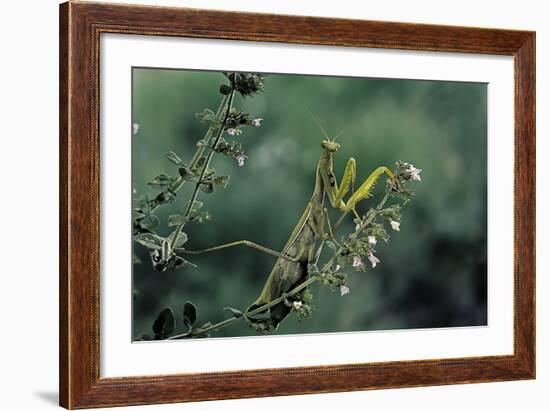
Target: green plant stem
[
  {"x": 204, "y": 169},
  {"x": 294, "y": 291},
  {"x": 364, "y": 224},
  {"x": 180, "y": 181},
  {"x": 208, "y": 136},
  {"x": 224, "y": 323}
]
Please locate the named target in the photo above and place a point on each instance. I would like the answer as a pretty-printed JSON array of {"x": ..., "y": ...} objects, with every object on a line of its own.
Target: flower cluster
[
  {"x": 232, "y": 125},
  {"x": 302, "y": 305},
  {"x": 371, "y": 228},
  {"x": 237, "y": 118},
  {"x": 247, "y": 84},
  {"x": 409, "y": 172},
  {"x": 232, "y": 149}
]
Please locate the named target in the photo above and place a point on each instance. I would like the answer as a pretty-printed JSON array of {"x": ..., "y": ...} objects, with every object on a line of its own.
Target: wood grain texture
[
  {"x": 63, "y": 204},
  {"x": 80, "y": 27}
]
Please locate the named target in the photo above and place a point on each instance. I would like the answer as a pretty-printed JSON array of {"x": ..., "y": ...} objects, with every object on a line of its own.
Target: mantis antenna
[
  {"x": 318, "y": 124},
  {"x": 323, "y": 130},
  {"x": 340, "y": 133}
]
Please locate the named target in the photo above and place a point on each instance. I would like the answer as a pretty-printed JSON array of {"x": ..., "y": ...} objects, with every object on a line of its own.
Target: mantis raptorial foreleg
[
  {"x": 336, "y": 192},
  {"x": 348, "y": 179},
  {"x": 238, "y": 243},
  {"x": 365, "y": 190}
]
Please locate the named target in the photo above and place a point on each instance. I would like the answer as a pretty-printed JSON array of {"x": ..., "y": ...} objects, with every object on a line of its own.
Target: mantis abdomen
[{"x": 286, "y": 274}]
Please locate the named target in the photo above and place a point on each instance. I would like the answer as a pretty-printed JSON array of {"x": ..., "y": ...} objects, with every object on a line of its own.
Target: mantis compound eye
[{"x": 330, "y": 146}]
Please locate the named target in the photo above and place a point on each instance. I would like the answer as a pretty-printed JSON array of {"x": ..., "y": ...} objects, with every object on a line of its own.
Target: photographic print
[
  {"x": 357, "y": 205},
  {"x": 273, "y": 204}
]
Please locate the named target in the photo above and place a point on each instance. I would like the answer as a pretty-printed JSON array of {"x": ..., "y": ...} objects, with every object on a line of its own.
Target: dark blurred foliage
[{"x": 433, "y": 272}]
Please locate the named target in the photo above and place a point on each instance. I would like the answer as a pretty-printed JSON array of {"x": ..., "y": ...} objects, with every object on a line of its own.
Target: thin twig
[
  {"x": 195, "y": 193},
  {"x": 224, "y": 323},
  {"x": 180, "y": 181}
]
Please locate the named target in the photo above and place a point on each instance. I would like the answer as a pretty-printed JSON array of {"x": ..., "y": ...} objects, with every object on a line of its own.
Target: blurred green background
[{"x": 433, "y": 272}]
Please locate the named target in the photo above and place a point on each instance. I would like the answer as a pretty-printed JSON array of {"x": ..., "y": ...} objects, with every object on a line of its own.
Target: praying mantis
[{"x": 313, "y": 227}]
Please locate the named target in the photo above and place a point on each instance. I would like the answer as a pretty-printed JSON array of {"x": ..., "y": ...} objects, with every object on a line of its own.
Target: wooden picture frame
[{"x": 80, "y": 27}]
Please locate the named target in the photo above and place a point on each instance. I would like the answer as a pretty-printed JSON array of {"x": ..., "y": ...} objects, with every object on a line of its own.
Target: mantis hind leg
[{"x": 276, "y": 287}]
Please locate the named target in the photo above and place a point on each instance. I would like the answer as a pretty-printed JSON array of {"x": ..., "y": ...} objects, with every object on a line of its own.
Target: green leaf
[
  {"x": 331, "y": 245},
  {"x": 189, "y": 314},
  {"x": 391, "y": 213},
  {"x": 379, "y": 232},
  {"x": 176, "y": 219},
  {"x": 165, "y": 324},
  {"x": 150, "y": 222},
  {"x": 236, "y": 313},
  {"x": 206, "y": 115},
  {"x": 200, "y": 217},
  {"x": 186, "y": 173},
  {"x": 225, "y": 89},
  {"x": 182, "y": 238},
  {"x": 162, "y": 182},
  {"x": 149, "y": 240},
  {"x": 166, "y": 197},
  {"x": 197, "y": 205},
  {"x": 207, "y": 187},
  {"x": 143, "y": 202},
  {"x": 312, "y": 269},
  {"x": 307, "y": 296},
  {"x": 221, "y": 181},
  {"x": 138, "y": 213},
  {"x": 174, "y": 158}
]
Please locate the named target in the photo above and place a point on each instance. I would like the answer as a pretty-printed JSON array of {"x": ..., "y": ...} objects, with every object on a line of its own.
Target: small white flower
[
  {"x": 256, "y": 122},
  {"x": 337, "y": 267},
  {"x": 372, "y": 240},
  {"x": 357, "y": 261},
  {"x": 395, "y": 225},
  {"x": 233, "y": 131},
  {"x": 415, "y": 173},
  {"x": 240, "y": 159},
  {"x": 344, "y": 290},
  {"x": 357, "y": 226},
  {"x": 297, "y": 305},
  {"x": 373, "y": 259},
  {"x": 135, "y": 128}
]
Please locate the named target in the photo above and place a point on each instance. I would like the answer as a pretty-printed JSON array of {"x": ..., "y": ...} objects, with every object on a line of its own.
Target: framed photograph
[{"x": 259, "y": 205}]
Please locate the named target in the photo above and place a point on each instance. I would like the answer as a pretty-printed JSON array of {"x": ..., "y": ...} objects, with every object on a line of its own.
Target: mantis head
[{"x": 330, "y": 145}]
